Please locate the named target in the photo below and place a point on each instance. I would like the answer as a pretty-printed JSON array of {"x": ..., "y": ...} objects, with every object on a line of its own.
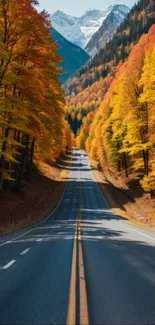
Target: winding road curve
[{"x": 81, "y": 265}]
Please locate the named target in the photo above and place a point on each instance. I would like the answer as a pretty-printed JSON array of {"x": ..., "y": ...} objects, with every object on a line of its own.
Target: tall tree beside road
[{"x": 31, "y": 100}]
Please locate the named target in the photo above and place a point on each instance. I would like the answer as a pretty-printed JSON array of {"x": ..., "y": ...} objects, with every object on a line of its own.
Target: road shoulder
[
  {"x": 38, "y": 201},
  {"x": 122, "y": 205}
]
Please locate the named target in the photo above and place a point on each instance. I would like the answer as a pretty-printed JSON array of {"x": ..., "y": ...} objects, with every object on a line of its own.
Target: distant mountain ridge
[
  {"x": 80, "y": 30},
  {"x": 73, "y": 56},
  {"x": 107, "y": 30}
]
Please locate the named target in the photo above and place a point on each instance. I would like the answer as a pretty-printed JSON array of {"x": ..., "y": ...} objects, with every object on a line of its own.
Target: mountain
[
  {"x": 107, "y": 30},
  {"x": 137, "y": 23},
  {"x": 86, "y": 91},
  {"x": 79, "y": 30},
  {"x": 73, "y": 56}
]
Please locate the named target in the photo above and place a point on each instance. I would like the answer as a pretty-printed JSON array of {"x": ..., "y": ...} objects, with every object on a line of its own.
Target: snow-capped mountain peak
[
  {"x": 62, "y": 19},
  {"x": 115, "y": 15},
  {"x": 79, "y": 30}
]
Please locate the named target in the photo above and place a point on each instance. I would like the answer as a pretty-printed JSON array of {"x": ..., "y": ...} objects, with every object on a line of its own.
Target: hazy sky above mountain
[{"x": 78, "y": 7}]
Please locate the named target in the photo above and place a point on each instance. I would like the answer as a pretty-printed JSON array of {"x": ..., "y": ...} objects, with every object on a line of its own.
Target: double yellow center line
[{"x": 78, "y": 306}]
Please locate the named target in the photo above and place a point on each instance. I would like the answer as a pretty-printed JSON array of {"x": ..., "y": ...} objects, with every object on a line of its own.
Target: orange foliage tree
[
  {"x": 121, "y": 134},
  {"x": 31, "y": 100}
]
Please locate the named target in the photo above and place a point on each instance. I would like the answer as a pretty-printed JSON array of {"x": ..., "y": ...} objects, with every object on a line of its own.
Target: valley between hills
[{"x": 77, "y": 165}]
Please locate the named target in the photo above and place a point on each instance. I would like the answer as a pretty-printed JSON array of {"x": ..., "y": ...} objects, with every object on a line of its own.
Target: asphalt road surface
[{"x": 36, "y": 265}]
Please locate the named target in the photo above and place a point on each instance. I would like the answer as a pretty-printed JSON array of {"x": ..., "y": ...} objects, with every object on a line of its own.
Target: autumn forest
[
  {"x": 113, "y": 97},
  {"x": 109, "y": 104},
  {"x": 32, "y": 118},
  {"x": 77, "y": 162}
]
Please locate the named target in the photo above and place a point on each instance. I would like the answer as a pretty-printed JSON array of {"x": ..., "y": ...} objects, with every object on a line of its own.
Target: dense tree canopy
[
  {"x": 121, "y": 133},
  {"x": 31, "y": 100},
  {"x": 86, "y": 90}
]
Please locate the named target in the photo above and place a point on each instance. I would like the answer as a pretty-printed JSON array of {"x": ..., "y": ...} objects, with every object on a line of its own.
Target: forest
[
  {"x": 86, "y": 90},
  {"x": 109, "y": 102},
  {"x": 32, "y": 115},
  {"x": 120, "y": 134}
]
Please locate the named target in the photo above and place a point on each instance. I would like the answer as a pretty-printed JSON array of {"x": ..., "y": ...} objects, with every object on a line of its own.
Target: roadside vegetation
[
  {"x": 32, "y": 118},
  {"x": 86, "y": 90},
  {"x": 33, "y": 129},
  {"x": 121, "y": 135},
  {"x": 118, "y": 122},
  {"x": 39, "y": 198}
]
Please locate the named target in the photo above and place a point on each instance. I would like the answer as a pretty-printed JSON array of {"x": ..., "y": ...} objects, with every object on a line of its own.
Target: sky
[{"x": 78, "y": 7}]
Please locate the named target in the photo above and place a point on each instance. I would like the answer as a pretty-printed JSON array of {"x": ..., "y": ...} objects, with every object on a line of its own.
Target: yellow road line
[
  {"x": 72, "y": 308},
  {"x": 71, "y": 317},
  {"x": 84, "y": 320},
  {"x": 83, "y": 294}
]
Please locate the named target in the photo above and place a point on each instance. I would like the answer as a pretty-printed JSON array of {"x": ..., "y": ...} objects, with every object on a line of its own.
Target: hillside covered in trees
[
  {"x": 73, "y": 57},
  {"x": 120, "y": 135},
  {"x": 32, "y": 117},
  {"x": 86, "y": 90}
]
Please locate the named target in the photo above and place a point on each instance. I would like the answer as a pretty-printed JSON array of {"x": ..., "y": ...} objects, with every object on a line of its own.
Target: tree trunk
[
  {"x": 27, "y": 159},
  {"x": 146, "y": 161},
  {"x": 2, "y": 162},
  {"x": 119, "y": 165},
  {"x": 152, "y": 194},
  {"x": 31, "y": 159},
  {"x": 18, "y": 136},
  {"x": 22, "y": 163},
  {"x": 125, "y": 164}
]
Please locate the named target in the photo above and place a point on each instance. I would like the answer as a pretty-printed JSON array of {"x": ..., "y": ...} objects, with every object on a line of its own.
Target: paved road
[{"x": 119, "y": 262}]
